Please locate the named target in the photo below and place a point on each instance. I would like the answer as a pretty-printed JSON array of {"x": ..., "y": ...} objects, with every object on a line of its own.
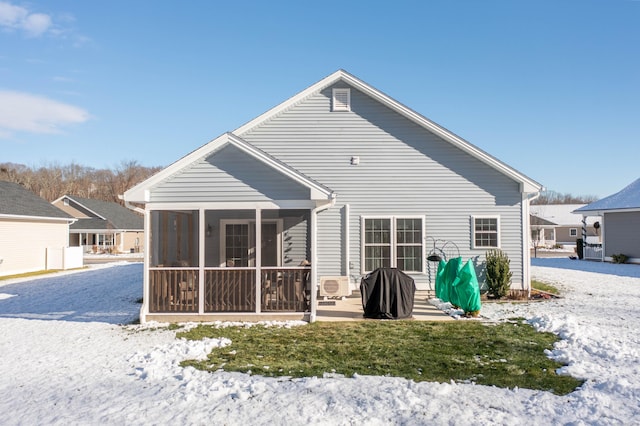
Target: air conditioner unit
[{"x": 334, "y": 286}]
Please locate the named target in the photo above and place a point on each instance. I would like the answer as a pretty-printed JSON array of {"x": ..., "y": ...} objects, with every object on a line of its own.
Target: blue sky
[{"x": 551, "y": 87}]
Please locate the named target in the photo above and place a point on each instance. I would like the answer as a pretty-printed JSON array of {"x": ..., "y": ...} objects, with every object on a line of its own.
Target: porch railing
[
  {"x": 592, "y": 251},
  {"x": 229, "y": 290},
  {"x": 173, "y": 290},
  {"x": 285, "y": 289}
]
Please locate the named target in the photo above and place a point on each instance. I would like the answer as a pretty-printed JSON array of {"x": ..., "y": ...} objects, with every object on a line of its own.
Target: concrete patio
[{"x": 350, "y": 309}]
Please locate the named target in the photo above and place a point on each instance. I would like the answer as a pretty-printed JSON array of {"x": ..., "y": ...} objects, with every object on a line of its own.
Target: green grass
[
  {"x": 539, "y": 285},
  {"x": 35, "y": 274},
  {"x": 504, "y": 355}
]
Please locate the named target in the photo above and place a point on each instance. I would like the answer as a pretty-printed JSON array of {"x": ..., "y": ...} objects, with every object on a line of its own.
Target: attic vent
[
  {"x": 65, "y": 201},
  {"x": 341, "y": 100}
]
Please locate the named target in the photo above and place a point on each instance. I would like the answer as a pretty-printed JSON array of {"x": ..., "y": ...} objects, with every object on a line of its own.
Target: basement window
[{"x": 341, "y": 100}]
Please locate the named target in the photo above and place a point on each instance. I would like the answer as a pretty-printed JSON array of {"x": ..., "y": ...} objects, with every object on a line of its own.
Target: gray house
[
  {"x": 620, "y": 227},
  {"x": 333, "y": 183}
]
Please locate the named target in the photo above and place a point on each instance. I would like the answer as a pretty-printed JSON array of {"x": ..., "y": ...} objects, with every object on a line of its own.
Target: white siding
[
  {"x": 23, "y": 244},
  {"x": 403, "y": 170}
]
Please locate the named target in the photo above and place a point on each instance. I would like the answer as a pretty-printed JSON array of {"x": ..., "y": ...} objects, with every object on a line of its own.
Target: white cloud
[
  {"x": 36, "y": 114},
  {"x": 18, "y": 18},
  {"x": 61, "y": 79},
  {"x": 37, "y": 24}
]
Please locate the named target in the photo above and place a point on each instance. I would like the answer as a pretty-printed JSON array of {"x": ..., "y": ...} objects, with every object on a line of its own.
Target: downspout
[
  {"x": 314, "y": 256},
  {"x": 347, "y": 242},
  {"x": 526, "y": 260}
]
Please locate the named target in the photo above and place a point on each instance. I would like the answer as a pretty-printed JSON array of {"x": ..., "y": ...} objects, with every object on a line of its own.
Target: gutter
[{"x": 130, "y": 206}]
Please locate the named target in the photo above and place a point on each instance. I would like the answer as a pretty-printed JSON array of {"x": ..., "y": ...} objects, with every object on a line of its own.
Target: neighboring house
[
  {"x": 34, "y": 235},
  {"x": 556, "y": 224},
  {"x": 341, "y": 179},
  {"x": 620, "y": 226},
  {"x": 102, "y": 226}
]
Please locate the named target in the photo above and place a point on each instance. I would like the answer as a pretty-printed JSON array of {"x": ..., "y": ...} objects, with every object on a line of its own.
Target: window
[
  {"x": 573, "y": 232},
  {"x": 393, "y": 242},
  {"x": 65, "y": 201},
  {"x": 341, "y": 100},
  {"x": 486, "y": 232}
]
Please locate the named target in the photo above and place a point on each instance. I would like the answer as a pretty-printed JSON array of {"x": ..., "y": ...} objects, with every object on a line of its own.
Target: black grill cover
[{"x": 387, "y": 293}]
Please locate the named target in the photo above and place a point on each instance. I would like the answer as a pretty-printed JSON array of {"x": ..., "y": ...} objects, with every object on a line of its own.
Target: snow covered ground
[{"x": 67, "y": 361}]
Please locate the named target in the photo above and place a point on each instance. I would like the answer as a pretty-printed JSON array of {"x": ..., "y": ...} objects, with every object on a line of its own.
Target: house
[
  {"x": 557, "y": 225},
  {"x": 312, "y": 195},
  {"x": 102, "y": 226},
  {"x": 34, "y": 234},
  {"x": 620, "y": 226}
]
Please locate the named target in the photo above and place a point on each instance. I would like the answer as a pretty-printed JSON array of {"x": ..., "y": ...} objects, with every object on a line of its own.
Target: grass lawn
[
  {"x": 507, "y": 354},
  {"x": 539, "y": 285},
  {"x": 34, "y": 274}
]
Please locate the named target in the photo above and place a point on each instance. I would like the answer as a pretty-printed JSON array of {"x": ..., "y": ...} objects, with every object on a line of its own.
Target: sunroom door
[{"x": 239, "y": 244}]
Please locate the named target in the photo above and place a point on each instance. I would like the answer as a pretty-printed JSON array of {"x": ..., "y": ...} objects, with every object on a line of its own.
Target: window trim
[
  {"x": 340, "y": 106},
  {"x": 573, "y": 232},
  {"x": 473, "y": 232},
  {"x": 393, "y": 241},
  {"x": 251, "y": 223}
]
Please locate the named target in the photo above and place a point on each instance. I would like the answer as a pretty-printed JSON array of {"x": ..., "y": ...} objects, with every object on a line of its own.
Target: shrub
[
  {"x": 498, "y": 274},
  {"x": 619, "y": 258}
]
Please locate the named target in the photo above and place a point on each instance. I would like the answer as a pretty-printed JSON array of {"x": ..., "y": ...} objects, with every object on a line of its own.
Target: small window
[
  {"x": 486, "y": 232},
  {"x": 341, "y": 100},
  {"x": 573, "y": 232},
  {"x": 65, "y": 201}
]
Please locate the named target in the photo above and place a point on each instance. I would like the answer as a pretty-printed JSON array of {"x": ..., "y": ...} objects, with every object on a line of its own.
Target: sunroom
[{"x": 231, "y": 233}]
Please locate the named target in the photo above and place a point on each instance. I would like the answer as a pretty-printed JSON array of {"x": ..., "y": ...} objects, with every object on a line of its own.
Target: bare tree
[
  {"x": 53, "y": 181},
  {"x": 552, "y": 197}
]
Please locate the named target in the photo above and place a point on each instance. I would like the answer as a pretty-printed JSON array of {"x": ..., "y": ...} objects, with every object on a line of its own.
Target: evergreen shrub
[{"x": 498, "y": 274}]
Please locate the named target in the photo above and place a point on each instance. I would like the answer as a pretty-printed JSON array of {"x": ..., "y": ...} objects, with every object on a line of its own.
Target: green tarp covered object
[{"x": 458, "y": 284}]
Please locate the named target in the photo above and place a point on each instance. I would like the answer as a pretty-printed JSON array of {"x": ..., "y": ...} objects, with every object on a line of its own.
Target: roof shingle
[{"x": 19, "y": 201}]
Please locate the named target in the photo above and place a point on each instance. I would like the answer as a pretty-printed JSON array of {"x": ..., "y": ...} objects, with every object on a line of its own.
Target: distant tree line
[
  {"x": 53, "y": 181},
  {"x": 552, "y": 197}
]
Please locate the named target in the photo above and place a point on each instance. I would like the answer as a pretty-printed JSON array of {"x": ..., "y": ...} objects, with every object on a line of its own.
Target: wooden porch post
[
  {"x": 144, "y": 309},
  {"x": 258, "y": 260},
  {"x": 314, "y": 263},
  {"x": 201, "y": 258}
]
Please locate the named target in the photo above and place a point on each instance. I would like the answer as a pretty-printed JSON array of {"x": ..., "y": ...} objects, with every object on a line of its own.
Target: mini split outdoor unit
[{"x": 334, "y": 286}]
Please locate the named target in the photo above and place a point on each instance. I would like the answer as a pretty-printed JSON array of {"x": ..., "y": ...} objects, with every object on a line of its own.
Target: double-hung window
[
  {"x": 395, "y": 242},
  {"x": 486, "y": 231}
]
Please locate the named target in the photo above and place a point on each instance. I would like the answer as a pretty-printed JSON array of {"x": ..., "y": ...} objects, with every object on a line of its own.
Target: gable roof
[
  {"x": 628, "y": 199},
  {"x": 528, "y": 185},
  {"x": 560, "y": 214},
  {"x": 108, "y": 215},
  {"x": 16, "y": 200},
  {"x": 538, "y": 221},
  {"x": 139, "y": 193}
]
